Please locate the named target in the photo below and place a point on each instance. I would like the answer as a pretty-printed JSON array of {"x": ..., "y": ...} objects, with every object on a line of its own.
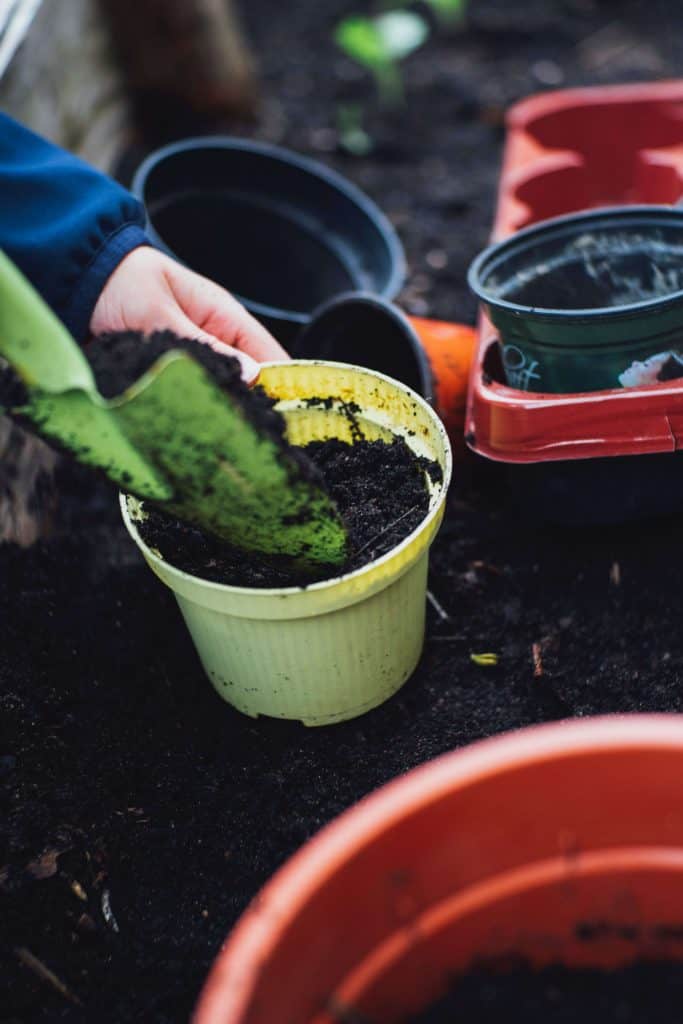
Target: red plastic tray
[{"x": 566, "y": 151}]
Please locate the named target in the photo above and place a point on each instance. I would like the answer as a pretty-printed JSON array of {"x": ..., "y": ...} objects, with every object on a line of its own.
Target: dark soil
[
  {"x": 119, "y": 359},
  {"x": 121, "y": 768},
  {"x": 672, "y": 368},
  {"x": 378, "y": 488},
  {"x": 641, "y": 994}
]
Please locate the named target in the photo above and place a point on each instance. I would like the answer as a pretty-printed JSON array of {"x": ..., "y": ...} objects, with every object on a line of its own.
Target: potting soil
[
  {"x": 644, "y": 993},
  {"x": 139, "y": 813},
  {"x": 379, "y": 489},
  {"x": 596, "y": 271},
  {"x": 119, "y": 359}
]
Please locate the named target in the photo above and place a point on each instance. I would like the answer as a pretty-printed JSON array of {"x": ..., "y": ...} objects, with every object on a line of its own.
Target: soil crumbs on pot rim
[{"x": 643, "y": 993}]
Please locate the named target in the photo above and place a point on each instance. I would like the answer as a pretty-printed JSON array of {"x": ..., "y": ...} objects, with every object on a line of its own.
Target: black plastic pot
[
  {"x": 340, "y": 330},
  {"x": 282, "y": 232},
  {"x": 311, "y": 256}
]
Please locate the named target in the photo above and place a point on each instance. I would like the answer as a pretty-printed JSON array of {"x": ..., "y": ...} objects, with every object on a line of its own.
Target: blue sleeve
[{"x": 65, "y": 225}]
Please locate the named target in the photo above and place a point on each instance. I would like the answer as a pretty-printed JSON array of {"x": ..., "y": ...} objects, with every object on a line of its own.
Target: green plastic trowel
[{"x": 173, "y": 438}]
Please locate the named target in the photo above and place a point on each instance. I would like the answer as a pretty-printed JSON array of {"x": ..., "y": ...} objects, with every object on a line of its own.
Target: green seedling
[
  {"x": 448, "y": 13},
  {"x": 173, "y": 438},
  {"x": 379, "y": 44},
  {"x": 352, "y": 135}
]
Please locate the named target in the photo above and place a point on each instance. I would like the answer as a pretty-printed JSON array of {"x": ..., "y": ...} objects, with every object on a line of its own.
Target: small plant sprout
[
  {"x": 379, "y": 44},
  {"x": 352, "y": 136},
  {"x": 450, "y": 13},
  {"x": 487, "y": 660}
]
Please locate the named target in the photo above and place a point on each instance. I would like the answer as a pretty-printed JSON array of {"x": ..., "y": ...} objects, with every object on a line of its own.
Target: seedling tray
[{"x": 605, "y": 455}]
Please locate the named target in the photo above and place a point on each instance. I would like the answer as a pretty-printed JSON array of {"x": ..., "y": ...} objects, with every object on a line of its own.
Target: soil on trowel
[
  {"x": 644, "y": 993},
  {"x": 121, "y": 358},
  {"x": 380, "y": 491}
]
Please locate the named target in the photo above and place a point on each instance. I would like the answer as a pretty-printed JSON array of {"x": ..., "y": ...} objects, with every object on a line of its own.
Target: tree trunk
[
  {"x": 186, "y": 62},
  {"x": 27, "y": 492}
]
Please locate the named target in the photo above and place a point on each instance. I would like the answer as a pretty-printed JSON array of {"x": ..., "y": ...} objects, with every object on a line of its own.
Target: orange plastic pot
[{"x": 560, "y": 844}]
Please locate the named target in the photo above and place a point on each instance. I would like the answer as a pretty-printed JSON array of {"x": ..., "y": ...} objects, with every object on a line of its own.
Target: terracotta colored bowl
[{"x": 561, "y": 843}]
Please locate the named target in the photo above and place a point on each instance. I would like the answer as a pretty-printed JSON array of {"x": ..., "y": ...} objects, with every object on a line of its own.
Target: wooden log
[
  {"x": 27, "y": 489},
  {"x": 186, "y": 62}
]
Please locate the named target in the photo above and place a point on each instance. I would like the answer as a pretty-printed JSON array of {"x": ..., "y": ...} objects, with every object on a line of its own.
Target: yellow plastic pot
[{"x": 335, "y": 649}]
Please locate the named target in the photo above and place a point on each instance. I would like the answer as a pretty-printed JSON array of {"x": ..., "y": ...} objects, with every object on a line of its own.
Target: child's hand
[{"x": 149, "y": 291}]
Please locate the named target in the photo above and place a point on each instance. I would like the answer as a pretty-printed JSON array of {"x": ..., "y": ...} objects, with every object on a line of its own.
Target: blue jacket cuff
[{"x": 78, "y": 312}]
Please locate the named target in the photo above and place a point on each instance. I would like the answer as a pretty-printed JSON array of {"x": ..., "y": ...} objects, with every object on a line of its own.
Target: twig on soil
[
  {"x": 488, "y": 566},
  {"x": 538, "y": 660},
  {"x": 386, "y": 529},
  {"x": 107, "y": 912},
  {"x": 78, "y": 891},
  {"x": 45, "y": 974},
  {"x": 438, "y": 607}
]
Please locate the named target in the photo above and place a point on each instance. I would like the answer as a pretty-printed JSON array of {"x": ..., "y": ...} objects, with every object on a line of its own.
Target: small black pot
[
  {"x": 367, "y": 331},
  {"x": 281, "y": 232}
]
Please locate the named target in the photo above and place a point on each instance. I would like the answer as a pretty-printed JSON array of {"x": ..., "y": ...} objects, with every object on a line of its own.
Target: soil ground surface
[
  {"x": 133, "y": 800},
  {"x": 643, "y": 992}
]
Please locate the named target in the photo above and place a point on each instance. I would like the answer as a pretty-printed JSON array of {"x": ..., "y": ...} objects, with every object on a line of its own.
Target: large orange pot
[{"x": 561, "y": 843}]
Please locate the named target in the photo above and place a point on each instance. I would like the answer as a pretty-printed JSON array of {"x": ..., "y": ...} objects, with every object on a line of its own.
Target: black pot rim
[
  {"x": 628, "y": 215},
  {"x": 361, "y": 298},
  {"x": 305, "y": 164}
]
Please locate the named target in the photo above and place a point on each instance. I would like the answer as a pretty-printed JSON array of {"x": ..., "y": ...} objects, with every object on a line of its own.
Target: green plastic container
[
  {"x": 588, "y": 301},
  {"x": 333, "y": 650}
]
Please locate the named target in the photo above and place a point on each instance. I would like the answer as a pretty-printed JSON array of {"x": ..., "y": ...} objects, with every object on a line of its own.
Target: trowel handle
[{"x": 450, "y": 349}]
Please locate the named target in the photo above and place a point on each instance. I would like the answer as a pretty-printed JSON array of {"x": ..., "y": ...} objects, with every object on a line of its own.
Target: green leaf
[
  {"x": 362, "y": 41},
  {"x": 401, "y": 32},
  {"x": 449, "y": 11},
  {"x": 174, "y": 437}
]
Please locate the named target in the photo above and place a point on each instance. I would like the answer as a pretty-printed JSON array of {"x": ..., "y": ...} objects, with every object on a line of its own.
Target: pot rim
[
  {"x": 536, "y": 231},
  {"x": 307, "y": 165},
  {"x": 258, "y": 931},
  {"x": 324, "y": 585}
]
